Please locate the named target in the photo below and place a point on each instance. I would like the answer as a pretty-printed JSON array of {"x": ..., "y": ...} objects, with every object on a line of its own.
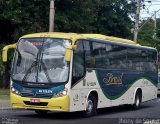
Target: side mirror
[
  {"x": 68, "y": 54},
  {"x": 5, "y": 50}
]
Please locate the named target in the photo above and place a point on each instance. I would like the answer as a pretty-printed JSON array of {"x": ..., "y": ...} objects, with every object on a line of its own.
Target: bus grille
[
  {"x": 36, "y": 95},
  {"x": 36, "y": 104}
]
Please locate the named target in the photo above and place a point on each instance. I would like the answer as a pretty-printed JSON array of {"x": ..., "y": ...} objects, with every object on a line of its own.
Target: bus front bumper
[{"x": 53, "y": 104}]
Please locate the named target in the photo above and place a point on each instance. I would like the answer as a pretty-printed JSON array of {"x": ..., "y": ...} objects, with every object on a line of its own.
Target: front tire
[
  {"x": 137, "y": 102},
  {"x": 91, "y": 106}
]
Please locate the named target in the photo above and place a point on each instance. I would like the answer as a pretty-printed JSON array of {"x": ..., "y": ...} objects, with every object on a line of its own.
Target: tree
[
  {"x": 25, "y": 16},
  {"x": 158, "y": 28},
  {"x": 146, "y": 35},
  {"x": 94, "y": 16},
  {"x": 75, "y": 16},
  {"x": 113, "y": 18},
  {"x": 109, "y": 17},
  {"x": 80, "y": 16},
  {"x": 18, "y": 18}
]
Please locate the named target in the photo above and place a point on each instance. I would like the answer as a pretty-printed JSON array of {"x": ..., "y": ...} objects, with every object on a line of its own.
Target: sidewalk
[{"x": 5, "y": 104}]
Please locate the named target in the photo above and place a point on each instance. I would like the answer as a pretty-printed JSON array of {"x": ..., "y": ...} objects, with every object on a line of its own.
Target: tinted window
[
  {"x": 152, "y": 57},
  {"x": 109, "y": 56},
  {"x": 116, "y": 57},
  {"x": 99, "y": 55},
  {"x": 141, "y": 60},
  {"x": 78, "y": 63},
  {"x": 88, "y": 54},
  {"x": 134, "y": 57}
]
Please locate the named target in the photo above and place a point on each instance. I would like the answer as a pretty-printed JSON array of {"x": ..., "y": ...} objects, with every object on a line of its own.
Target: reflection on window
[
  {"x": 41, "y": 60},
  {"x": 53, "y": 62},
  {"x": 78, "y": 63},
  {"x": 88, "y": 54},
  {"x": 109, "y": 56}
]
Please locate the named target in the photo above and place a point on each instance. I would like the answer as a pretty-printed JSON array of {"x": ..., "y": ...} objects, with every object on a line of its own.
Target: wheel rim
[
  {"x": 89, "y": 106},
  {"x": 137, "y": 101}
]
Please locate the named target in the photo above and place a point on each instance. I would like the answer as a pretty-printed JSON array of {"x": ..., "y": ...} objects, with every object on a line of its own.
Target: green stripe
[{"x": 119, "y": 95}]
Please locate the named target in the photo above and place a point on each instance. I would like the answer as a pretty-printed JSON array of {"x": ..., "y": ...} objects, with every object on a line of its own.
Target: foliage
[
  {"x": 10, "y": 56},
  {"x": 146, "y": 35},
  {"x": 81, "y": 16},
  {"x": 158, "y": 27},
  {"x": 25, "y": 15},
  {"x": 109, "y": 17},
  {"x": 94, "y": 16},
  {"x": 148, "y": 40},
  {"x": 2, "y": 68}
]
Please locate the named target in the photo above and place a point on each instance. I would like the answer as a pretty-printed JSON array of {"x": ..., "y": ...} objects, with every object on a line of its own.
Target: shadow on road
[
  {"x": 57, "y": 115},
  {"x": 78, "y": 115},
  {"x": 120, "y": 109},
  {"x": 110, "y": 115}
]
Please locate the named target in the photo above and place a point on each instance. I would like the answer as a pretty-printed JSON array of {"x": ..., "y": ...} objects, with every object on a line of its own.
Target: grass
[
  {"x": 4, "y": 91},
  {"x": 4, "y": 94}
]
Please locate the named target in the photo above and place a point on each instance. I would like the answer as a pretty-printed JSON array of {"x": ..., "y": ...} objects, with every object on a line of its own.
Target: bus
[
  {"x": 69, "y": 72},
  {"x": 158, "y": 86}
]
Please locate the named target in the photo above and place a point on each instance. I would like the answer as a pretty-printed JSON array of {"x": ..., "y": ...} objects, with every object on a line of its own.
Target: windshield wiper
[
  {"x": 45, "y": 69},
  {"x": 30, "y": 68}
]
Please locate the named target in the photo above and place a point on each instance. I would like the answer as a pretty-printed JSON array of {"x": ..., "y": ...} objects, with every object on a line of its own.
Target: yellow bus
[{"x": 71, "y": 72}]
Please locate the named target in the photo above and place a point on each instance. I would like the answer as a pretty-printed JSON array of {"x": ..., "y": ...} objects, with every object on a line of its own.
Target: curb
[
  {"x": 9, "y": 109},
  {"x": 6, "y": 108}
]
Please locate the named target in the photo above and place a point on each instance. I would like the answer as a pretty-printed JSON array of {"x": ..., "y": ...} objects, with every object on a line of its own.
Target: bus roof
[
  {"x": 77, "y": 36},
  {"x": 53, "y": 35},
  {"x": 110, "y": 38}
]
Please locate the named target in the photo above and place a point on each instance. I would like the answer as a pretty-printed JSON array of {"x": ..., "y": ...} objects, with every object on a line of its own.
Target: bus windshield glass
[{"x": 41, "y": 60}]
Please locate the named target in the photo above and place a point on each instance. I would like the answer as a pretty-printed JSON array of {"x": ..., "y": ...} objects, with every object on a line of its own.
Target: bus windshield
[{"x": 41, "y": 60}]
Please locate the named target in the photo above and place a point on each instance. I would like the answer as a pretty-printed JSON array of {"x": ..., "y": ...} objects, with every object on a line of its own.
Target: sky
[{"x": 150, "y": 8}]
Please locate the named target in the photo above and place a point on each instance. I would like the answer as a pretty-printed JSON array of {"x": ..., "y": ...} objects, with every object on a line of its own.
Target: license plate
[{"x": 35, "y": 100}]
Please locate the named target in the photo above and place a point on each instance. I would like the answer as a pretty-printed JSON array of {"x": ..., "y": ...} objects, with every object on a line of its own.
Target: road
[{"x": 149, "y": 114}]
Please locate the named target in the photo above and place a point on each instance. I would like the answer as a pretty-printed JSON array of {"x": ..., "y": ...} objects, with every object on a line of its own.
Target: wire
[
  {"x": 149, "y": 4},
  {"x": 148, "y": 20}
]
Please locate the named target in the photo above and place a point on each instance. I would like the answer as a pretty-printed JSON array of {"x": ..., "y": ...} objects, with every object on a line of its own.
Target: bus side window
[
  {"x": 78, "y": 63},
  {"x": 88, "y": 54}
]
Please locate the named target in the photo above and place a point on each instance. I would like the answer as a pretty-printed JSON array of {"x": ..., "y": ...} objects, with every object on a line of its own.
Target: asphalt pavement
[{"x": 149, "y": 113}]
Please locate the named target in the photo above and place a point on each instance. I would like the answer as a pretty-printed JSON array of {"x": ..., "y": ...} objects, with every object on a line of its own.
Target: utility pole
[
  {"x": 137, "y": 20},
  {"x": 51, "y": 16},
  {"x": 148, "y": 20},
  {"x": 155, "y": 25}
]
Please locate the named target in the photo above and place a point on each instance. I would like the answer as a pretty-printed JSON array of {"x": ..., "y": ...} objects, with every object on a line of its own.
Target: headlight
[
  {"x": 13, "y": 90},
  {"x": 60, "y": 93}
]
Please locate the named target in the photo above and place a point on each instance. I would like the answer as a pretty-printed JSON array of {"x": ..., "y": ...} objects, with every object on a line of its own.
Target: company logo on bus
[
  {"x": 45, "y": 91},
  {"x": 111, "y": 79}
]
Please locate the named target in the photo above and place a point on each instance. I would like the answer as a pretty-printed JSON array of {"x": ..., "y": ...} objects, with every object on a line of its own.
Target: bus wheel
[
  {"x": 41, "y": 112},
  {"x": 91, "y": 106},
  {"x": 137, "y": 101}
]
